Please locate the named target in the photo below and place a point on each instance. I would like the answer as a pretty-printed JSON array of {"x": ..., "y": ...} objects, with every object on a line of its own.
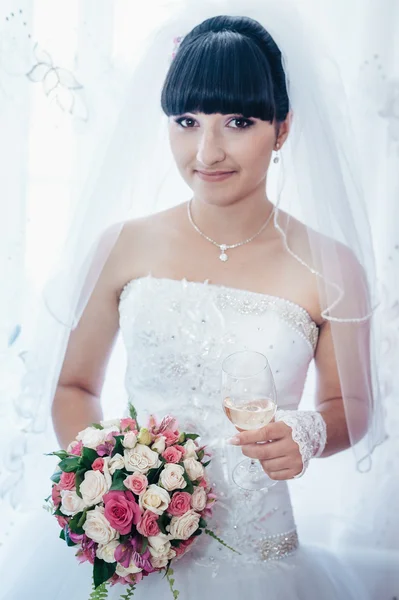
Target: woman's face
[{"x": 218, "y": 142}]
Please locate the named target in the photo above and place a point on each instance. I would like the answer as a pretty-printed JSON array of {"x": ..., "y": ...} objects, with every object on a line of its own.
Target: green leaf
[
  {"x": 69, "y": 541},
  {"x": 70, "y": 465},
  {"x": 129, "y": 592},
  {"x": 117, "y": 481},
  {"x": 102, "y": 571},
  {"x": 88, "y": 457},
  {"x": 197, "y": 532},
  {"x": 60, "y": 453},
  {"x": 118, "y": 448},
  {"x": 171, "y": 582},
  {"x": 192, "y": 436},
  {"x": 58, "y": 513},
  {"x": 99, "y": 593},
  {"x": 189, "y": 487},
  {"x": 205, "y": 464},
  {"x": 62, "y": 535},
  {"x": 144, "y": 545},
  {"x": 175, "y": 543},
  {"x": 133, "y": 412},
  {"x": 201, "y": 454},
  {"x": 163, "y": 521},
  {"x": 83, "y": 518},
  {"x": 202, "y": 523},
  {"x": 79, "y": 478},
  {"x": 215, "y": 537},
  {"x": 96, "y": 426},
  {"x": 74, "y": 524},
  {"x": 153, "y": 474},
  {"x": 56, "y": 476}
]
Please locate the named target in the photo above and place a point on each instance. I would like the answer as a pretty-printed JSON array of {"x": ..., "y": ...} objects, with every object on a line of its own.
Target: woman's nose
[{"x": 210, "y": 150}]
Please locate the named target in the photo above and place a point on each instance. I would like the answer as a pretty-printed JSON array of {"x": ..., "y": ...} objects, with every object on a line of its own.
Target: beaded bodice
[{"x": 176, "y": 335}]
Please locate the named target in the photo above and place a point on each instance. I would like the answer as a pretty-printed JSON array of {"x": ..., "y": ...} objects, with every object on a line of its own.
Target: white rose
[
  {"x": 93, "y": 487},
  {"x": 155, "y": 499},
  {"x": 111, "y": 423},
  {"x": 115, "y": 463},
  {"x": 91, "y": 437},
  {"x": 111, "y": 429},
  {"x": 159, "y": 562},
  {"x": 122, "y": 572},
  {"x": 172, "y": 477},
  {"x": 71, "y": 504},
  {"x": 97, "y": 527},
  {"x": 199, "y": 499},
  {"x": 130, "y": 440},
  {"x": 195, "y": 470},
  {"x": 106, "y": 472},
  {"x": 107, "y": 552},
  {"x": 141, "y": 458},
  {"x": 181, "y": 528},
  {"x": 190, "y": 449},
  {"x": 159, "y": 545},
  {"x": 160, "y": 444}
]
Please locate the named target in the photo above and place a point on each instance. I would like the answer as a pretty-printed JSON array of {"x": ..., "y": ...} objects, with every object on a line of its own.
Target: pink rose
[
  {"x": 180, "y": 504},
  {"x": 121, "y": 510},
  {"x": 98, "y": 465},
  {"x": 128, "y": 424},
  {"x": 171, "y": 437},
  {"x": 148, "y": 525},
  {"x": 203, "y": 482},
  {"x": 172, "y": 454},
  {"x": 62, "y": 521},
  {"x": 67, "y": 481},
  {"x": 183, "y": 547},
  {"x": 56, "y": 495},
  {"x": 136, "y": 483},
  {"x": 77, "y": 448}
]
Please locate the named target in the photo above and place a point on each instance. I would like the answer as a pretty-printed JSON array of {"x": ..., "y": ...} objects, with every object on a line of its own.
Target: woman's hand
[{"x": 274, "y": 447}]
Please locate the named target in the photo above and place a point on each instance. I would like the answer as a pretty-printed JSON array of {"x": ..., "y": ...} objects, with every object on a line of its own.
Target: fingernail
[{"x": 234, "y": 441}]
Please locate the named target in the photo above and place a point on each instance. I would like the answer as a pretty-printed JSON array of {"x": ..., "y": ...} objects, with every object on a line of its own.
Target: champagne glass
[{"x": 250, "y": 402}]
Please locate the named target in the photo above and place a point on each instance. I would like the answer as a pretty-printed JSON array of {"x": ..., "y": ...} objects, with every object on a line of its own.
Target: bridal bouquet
[{"x": 131, "y": 500}]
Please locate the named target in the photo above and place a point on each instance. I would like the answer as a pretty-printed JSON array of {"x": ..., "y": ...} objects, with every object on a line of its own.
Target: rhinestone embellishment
[{"x": 276, "y": 547}]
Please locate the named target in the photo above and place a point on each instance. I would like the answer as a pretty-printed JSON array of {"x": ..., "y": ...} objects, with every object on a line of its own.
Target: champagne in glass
[{"x": 250, "y": 402}]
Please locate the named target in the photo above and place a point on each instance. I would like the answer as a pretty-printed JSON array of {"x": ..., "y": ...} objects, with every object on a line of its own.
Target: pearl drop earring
[{"x": 277, "y": 158}]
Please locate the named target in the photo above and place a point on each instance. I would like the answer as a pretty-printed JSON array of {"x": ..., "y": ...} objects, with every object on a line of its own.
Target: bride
[{"x": 228, "y": 269}]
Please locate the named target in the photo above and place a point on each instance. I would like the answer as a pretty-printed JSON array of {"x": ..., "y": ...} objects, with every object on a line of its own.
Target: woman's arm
[{"x": 76, "y": 403}]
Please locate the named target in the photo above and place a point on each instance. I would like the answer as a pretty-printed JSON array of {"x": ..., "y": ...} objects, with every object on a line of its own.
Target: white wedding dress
[{"x": 176, "y": 334}]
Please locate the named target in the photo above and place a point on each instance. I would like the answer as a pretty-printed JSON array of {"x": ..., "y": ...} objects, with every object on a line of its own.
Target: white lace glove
[{"x": 308, "y": 431}]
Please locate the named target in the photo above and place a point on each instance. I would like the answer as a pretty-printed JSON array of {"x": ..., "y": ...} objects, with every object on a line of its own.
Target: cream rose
[
  {"x": 172, "y": 477},
  {"x": 115, "y": 463},
  {"x": 122, "y": 572},
  {"x": 107, "y": 552},
  {"x": 141, "y": 458},
  {"x": 93, "y": 487},
  {"x": 155, "y": 499},
  {"x": 160, "y": 444},
  {"x": 91, "y": 437},
  {"x": 194, "y": 468},
  {"x": 159, "y": 545},
  {"x": 181, "y": 528},
  {"x": 190, "y": 449},
  {"x": 71, "y": 504},
  {"x": 97, "y": 527},
  {"x": 199, "y": 499},
  {"x": 130, "y": 440}
]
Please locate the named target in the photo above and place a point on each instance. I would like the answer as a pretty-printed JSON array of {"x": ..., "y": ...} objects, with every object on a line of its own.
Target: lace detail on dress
[
  {"x": 308, "y": 431},
  {"x": 251, "y": 303}
]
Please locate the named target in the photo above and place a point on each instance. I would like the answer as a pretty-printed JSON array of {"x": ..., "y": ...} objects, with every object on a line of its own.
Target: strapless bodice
[{"x": 176, "y": 335}]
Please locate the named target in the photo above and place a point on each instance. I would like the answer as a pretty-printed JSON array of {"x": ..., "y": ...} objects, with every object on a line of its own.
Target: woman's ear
[{"x": 284, "y": 129}]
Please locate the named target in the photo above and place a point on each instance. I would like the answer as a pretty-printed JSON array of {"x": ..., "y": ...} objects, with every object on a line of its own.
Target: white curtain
[{"x": 55, "y": 57}]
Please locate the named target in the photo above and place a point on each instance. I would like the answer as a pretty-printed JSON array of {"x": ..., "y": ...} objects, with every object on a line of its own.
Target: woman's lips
[{"x": 214, "y": 177}]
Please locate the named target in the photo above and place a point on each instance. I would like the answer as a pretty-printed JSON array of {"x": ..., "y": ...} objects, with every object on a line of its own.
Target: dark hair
[{"x": 227, "y": 64}]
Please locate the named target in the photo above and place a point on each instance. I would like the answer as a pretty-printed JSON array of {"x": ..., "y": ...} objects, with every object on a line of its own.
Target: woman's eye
[
  {"x": 247, "y": 123},
  {"x": 180, "y": 122}
]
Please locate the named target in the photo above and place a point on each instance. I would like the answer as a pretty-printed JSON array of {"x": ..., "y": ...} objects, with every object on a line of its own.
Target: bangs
[{"x": 220, "y": 73}]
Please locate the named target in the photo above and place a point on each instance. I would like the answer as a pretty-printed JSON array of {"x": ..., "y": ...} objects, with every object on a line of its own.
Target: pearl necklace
[{"x": 223, "y": 247}]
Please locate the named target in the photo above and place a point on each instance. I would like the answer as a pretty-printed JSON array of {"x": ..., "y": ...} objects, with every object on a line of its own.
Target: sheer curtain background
[{"x": 61, "y": 65}]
